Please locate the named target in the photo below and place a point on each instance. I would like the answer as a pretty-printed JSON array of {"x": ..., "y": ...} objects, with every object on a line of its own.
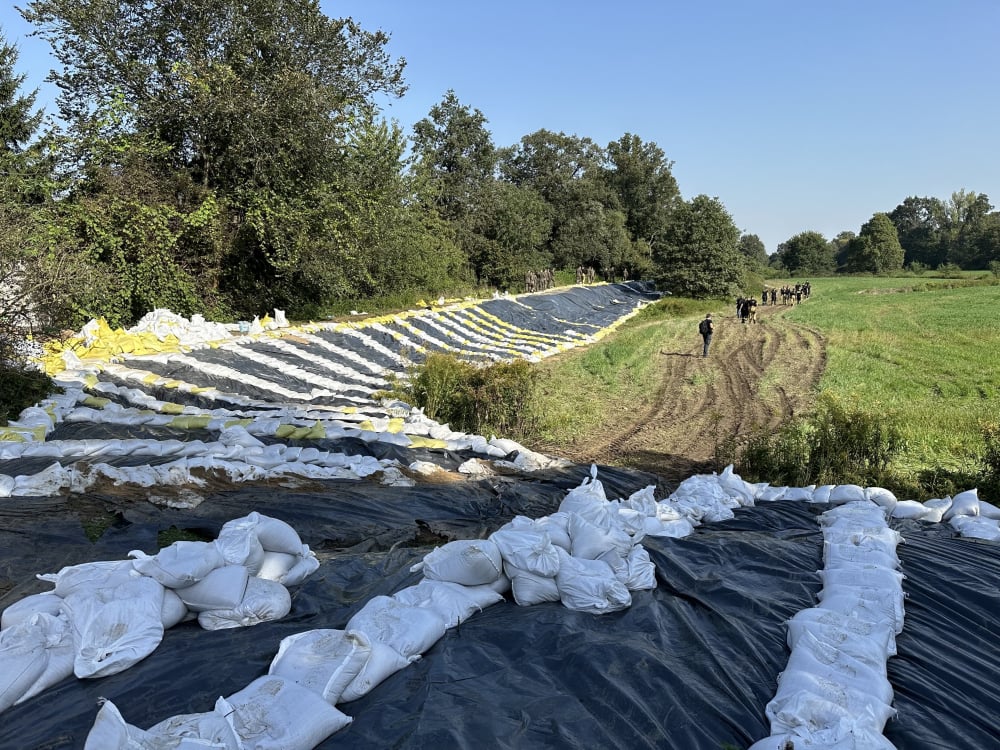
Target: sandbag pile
[
  {"x": 834, "y": 692},
  {"x": 102, "y": 617}
]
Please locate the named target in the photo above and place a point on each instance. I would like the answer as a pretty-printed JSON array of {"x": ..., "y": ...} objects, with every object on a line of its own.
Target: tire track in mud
[{"x": 756, "y": 376}]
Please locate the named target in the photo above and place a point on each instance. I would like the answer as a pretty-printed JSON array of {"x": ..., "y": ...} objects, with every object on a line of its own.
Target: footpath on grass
[{"x": 757, "y": 375}]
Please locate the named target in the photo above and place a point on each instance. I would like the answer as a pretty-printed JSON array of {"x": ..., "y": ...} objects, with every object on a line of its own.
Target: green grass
[
  {"x": 584, "y": 387},
  {"x": 923, "y": 351}
]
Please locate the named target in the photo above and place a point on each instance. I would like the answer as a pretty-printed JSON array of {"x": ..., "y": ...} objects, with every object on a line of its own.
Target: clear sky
[{"x": 797, "y": 114}]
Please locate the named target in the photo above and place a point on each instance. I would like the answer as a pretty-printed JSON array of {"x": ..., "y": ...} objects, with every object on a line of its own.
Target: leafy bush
[
  {"x": 989, "y": 479},
  {"x": 19, "y": 389},
  {"x": 833, "y": 445},
  {"x": 493, "y": 399}
]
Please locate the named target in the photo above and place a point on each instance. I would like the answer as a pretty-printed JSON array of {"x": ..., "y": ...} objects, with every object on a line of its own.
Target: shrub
[
  {"x": 495, "y": 398},
  {"x": 833, "y": 445},
  {"x": 19, "y": 389}
]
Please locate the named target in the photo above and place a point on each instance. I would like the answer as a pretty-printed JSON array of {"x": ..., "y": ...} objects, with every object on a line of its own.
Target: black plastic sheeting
[{"x": 690, "y": 665}]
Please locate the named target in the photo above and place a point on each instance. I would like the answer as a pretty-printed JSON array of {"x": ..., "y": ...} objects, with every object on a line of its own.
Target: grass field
[{"x": 925, "y": 355}]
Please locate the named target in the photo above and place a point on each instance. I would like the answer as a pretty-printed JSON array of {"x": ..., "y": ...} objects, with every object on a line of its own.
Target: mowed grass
[
  {"x": 924, "y": 355},
  {"x": 587, "y": 387}
]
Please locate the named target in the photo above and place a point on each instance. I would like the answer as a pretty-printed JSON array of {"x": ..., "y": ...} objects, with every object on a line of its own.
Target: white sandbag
[
  {"x": 824, "y": 662},
  {"x": 112, "y": 732},
  {"x": 631, "y": 521},
  {"x": 529, "y": 588},
  {"x": 528, "y": 550},
  {"x": 873, "y": 605},
  {"x": 912, "y": 509},
  {"x": 936, "y": 508},
  {"x": 556, "y": 525},
  {"x": 47, "y": 602},
  {"x": 737, "y": 488},
  {"x": 409, "y": 630},
  {"x": 988, "y": 510},
  {"x": 173, "y": 611},
  {"x": 643, "y": 500},
  {"x": 23, "y": 658},
  {"x": 273, "y": 713},
  {"x": 800, "y": 494},
  {"x": 383, "y": 662},
  {"x": 869, "y": 640},
  {"x": 60, "y": 648},
  {"x": 846, "y": 493},
  {"x": 263, "y": 601},
  {"x": 239, "y": 544},
  {"x": 305, "y": 565},
  {"x": 817, "y": 702},
  {"x": 883, "y": 579},
  {"x": 454, "y": 602},
  {"x": 963, "y": 504},
  {"x": 674, "y": 528},
  {"x": 590, "y": 541},
  {"x": 117, "y": 628},
  {"x": 221, "y": 588},
  {"x": 822, "y": 493},
  {"x": 772, "y": 494},
  {"x": 854, "y": 738},
  {"x": 587, "y": 500},
  {"x": 843, "y": 555},
  {"x": 181, "y": 564},
  {"x": 640, "y": 571},
  {"x": 470, "y": 562},
  {"x": 325, "y": 661},
  {"x": 976, "y": 527},
  {"x": 278, "y": 536},
  {"x": 100, "y": 575},
  {"x": 211, "y": 729},
  {"x": 881, "y": 497},
  {"x": 590, "y": 586},
  {"x": 275, "y": 565}
]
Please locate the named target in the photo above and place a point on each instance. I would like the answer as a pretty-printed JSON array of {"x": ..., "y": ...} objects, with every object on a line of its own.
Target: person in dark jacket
[{"x": 706, "y": 329}]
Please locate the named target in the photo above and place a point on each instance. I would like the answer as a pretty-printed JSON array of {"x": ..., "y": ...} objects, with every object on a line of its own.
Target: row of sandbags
[
  {"x": 587, "y": 555},
  {"x": 834, "y": 692},
  {"x": 100, "y": 618}
]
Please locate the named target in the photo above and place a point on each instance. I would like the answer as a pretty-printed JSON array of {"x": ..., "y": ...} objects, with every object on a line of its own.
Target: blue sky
[{"x": 798, "y": 115}]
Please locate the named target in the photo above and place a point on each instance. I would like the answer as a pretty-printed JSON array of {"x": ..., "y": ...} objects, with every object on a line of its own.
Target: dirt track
[{"x": 756, "y": 375}]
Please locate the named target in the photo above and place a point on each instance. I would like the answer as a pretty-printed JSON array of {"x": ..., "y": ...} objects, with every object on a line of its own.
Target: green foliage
[
  {"x": 989, "y": 477},
  {"x": 807, "y": 253},
  {"x": 876, "y": 249},
  {"x": 20, "y": 388},
  {"x": 699, "y": 256},
  {"x": 494, "y": 399},
  {"x": 836, "y": 444}
]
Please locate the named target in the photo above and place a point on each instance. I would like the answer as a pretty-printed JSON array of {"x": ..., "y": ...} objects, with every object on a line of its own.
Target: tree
[
  {"x": 876, "y": 249},
  {"x": 807, "y": 253},
  {"x": 699, "y": 256},
  {"x": 455, "y": 153},
  {"x": 639, "y": 173},
  {"x": 920, "y": 225},
  {"x": 753, "y": 250},
  {"x": 253, "y": 102}
]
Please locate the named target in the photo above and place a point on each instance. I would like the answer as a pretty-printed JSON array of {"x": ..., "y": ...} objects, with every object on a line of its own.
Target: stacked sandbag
[
  {"x": 102, "y": 617},
  {"x": 834, "y": 692}
]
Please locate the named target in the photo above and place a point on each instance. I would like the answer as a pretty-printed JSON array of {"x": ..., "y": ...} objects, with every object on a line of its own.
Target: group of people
[
  {"x": 585, "y": 275},
  {"x": 537, "y": 281},
  {"x": 746, "y": 308},
  {"x": 790, "y": 294}
]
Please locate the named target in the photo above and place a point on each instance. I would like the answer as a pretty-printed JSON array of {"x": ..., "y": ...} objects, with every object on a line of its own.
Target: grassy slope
[{"x": 928, "y": 358}]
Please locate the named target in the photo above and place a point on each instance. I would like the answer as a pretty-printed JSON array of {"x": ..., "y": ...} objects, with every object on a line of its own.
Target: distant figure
[{"x": 706, "y": 329}]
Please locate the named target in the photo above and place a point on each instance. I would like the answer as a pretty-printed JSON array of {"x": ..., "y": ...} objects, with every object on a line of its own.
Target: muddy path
[{"x": 756, "y": 375}]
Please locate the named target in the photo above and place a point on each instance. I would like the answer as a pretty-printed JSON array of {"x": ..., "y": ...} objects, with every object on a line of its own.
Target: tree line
[
  {"x": 961, "y": 232},
  {"x": 226, "y": 158},
  {"x": 229, "y": 157}
]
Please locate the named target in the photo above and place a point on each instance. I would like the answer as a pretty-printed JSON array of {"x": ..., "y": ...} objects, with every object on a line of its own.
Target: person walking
[{"x": 705, "y": 328}]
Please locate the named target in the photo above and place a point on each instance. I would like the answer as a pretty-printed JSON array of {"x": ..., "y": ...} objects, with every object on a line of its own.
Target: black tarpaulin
[{"x": 690, "y": 665}]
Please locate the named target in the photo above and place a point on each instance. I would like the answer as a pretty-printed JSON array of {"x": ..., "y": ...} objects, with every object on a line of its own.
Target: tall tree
[
  {"x": 806, "y": 253},
  {"x": 876, "y": 248},
  {"x": 921, "y": 226},
  {"x": 699, "y": 256},
  {"x": 639, "y": 173},
  {"x": 253, "y": 101},
  {"x": 455, "y": 153},
  {"x": 753, "y": 249}
]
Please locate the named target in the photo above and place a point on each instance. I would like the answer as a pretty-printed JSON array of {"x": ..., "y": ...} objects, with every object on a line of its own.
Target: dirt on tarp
[{"x": 756, "y": 376}]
